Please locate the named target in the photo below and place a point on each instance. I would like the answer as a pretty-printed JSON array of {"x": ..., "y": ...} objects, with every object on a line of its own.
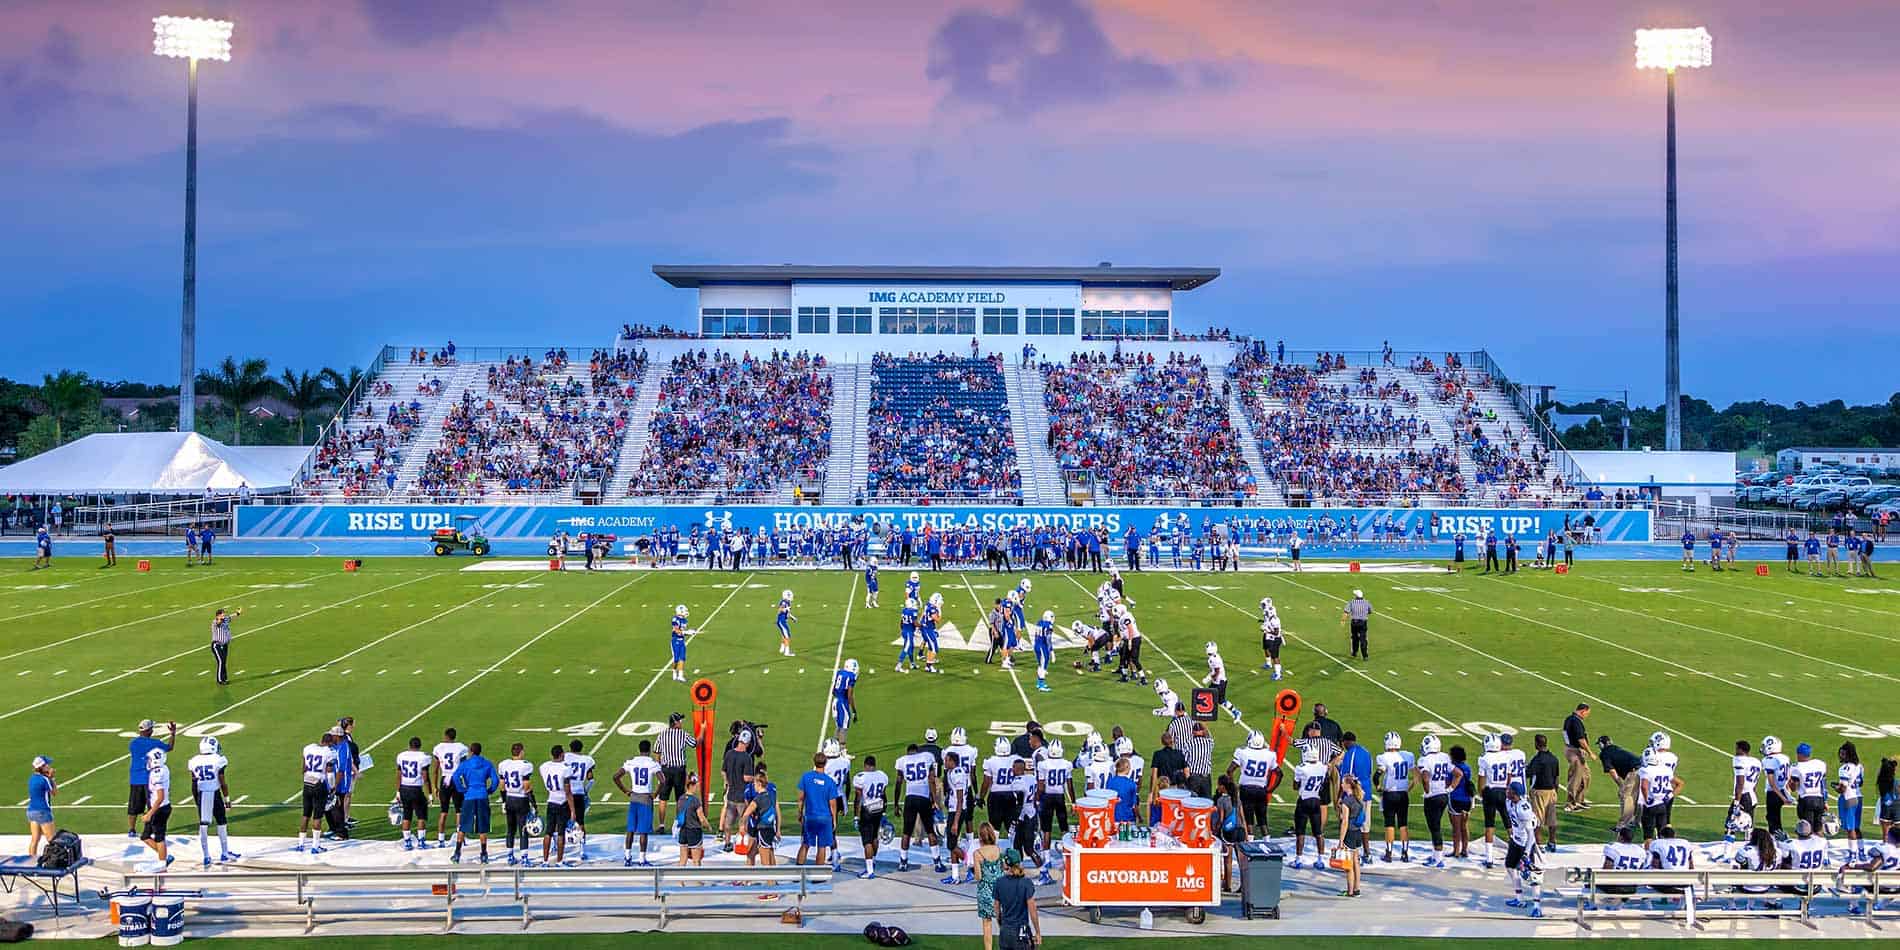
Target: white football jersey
[
  {"x": 516, "y": 777},
  {"x": 1216, "y": 671},
  {"x": 997, "y": 768},
  {"x": 1096, "y": 774},
  {"x": 1656, "y": 784},
  {"x": 554, "y": 780},
  {"x": 1805, "y": 854},
  {"x": 1438, "y": 772},
  {"x": 1666, "y": 759},
  {"x": 1270, "y": 621},
  {"x": 1672, "y": 854},
  {"x": 580, "y": 770},
  {"x": 1748, "y": 769},
  {"x": 318, "y": 761},
  {"x": 1849, "y": 775},
  {"x": 1810, "y": 778},
  {"x": 642, "y": 772},
  {"x": 1170, "y": 701},
  {"x": 839, "y": 768},
  {"x": 967, "y": 757},
  {"x": 1256, "y": 766},
  {"x": 1308, "y": 780},
  {"x": 956, "y": 790},
  {"x": 871, "y": 787},
  {"x": 1495, "y": 769},
  {"x": 1775, "y": 767},
  {"x": 1519, "y": 764},
  {"x": 1397, "y": 769},
  {"x": 205, "y": 770},
  {"x": 1053, "y": 775},
  {"x": 448, "y": 758},
  {"x": 412, "y": 767},
  {"x": 915, "y": 768},
  {"x": 159, "y": 780},
  {"x": 1628, "y": 857},
  {"x": 1523, "y": 821},
  {"x": 1137, "y": 767}
]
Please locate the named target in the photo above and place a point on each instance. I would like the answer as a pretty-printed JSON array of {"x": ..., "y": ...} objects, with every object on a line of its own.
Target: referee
[
  {"x": 671, "y": 750},
  {"x": 1358, "y": 612},
  {"x": 221, "y": 641}
]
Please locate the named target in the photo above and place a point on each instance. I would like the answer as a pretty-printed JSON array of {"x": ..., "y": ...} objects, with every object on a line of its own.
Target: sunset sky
[{"x": 1450, "y": 174}]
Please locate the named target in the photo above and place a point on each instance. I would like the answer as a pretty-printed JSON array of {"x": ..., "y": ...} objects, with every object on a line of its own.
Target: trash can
[
  {"x": 168, "y": 920},
  {"x": 133, "y": 912},
  {"x": 1260, "y": 867}
]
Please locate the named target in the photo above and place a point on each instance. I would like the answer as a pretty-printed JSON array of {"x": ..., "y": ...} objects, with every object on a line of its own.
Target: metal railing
[
  {"x": 436, "y": 892},
  {"x": 1695, "y": 891},
  {"x": 156, "y": 516}
]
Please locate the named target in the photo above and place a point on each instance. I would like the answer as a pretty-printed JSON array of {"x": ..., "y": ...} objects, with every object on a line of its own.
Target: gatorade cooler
[
  {"x": 1171, "y": 802},
  {"x": 145, "y": 567},
  {"x": 1094, "y": 822},
  {"x": 1196, "y": 830},
  {"x": 168, "y": 920},
  {"x": 352, "y": 565},
  {"x": 554, "y": 564},
  {"x": 133, "y": 912}
]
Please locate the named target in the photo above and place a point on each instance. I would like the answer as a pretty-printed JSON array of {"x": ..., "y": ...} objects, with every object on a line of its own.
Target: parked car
[{"x": 1826, "y": 499}]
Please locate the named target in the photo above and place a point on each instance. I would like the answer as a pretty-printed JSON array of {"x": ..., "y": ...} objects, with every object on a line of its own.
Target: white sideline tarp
[{"x": 153, "y": 463}]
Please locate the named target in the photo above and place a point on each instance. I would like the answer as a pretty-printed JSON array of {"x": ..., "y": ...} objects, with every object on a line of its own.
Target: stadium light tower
[
  {"x": 193, "y": 39},
  {"x": 1670, "y": 50}
]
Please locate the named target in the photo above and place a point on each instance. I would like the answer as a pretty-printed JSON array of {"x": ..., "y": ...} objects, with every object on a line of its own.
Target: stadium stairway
[
  {"x": 633, "y": 445},
  {"x": 460, "y": 378},
  {"x": 849, "y": 469},
  {"x": 1269, "y": 492},
  {"x": 1029, "y": 426}
]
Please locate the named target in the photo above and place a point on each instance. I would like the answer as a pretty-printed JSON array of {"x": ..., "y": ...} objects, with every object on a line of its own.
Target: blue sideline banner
[{"x": 531, "y": 522}]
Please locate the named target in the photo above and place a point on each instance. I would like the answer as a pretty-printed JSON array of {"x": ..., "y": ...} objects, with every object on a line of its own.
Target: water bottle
[{"x": 1147, "y": 919}]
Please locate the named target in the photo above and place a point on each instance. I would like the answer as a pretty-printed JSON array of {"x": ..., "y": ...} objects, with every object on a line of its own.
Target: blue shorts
[
  {"x": 474, "y": 816},
  {"x": 39, "y": 816},
  {"x": 640, "y": 818},
  {"x": 679, "y": 650},
  {"x": 784, "y": 630},
  {"x": 816, "y": 833},
  {"x": 1850, "y": 813}
]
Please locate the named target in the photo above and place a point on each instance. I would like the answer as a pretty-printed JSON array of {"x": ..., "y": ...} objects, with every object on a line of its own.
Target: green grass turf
[{"x": 409, "y": 646}]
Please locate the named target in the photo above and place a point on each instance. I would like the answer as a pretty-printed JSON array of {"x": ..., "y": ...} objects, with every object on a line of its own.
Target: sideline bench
[
  {"x": 531, "y": 893},
  {"x": 1726, "y": 892}
]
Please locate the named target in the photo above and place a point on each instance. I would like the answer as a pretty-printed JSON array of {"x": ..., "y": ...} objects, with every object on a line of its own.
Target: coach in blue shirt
[
  {"x": 1356, "y": 760},
  {"x": 137, "y": 802},
  {"x": 815, "y": 793},
  {"x": 475, "y": 778}
]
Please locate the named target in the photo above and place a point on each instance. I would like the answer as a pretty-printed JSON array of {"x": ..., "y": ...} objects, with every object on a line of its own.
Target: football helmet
[
  {"x": 1428, "y": 745},
  {"x": 533, "y": 825},
  {"x": 680, "y": 611},
  {"x": 958, "y": 736},
  {"x": 1099, "y": 754},
  {"x": 208, "y": 745},
  {"x": 1124, "y": 746},
  {"x": 1650, "y": 758},
  {"x": 1309, "y": 756},
  {"x": 1161, "y": 686},
  {"x": 913, "y": 575},
  {"x": 911, "y": 602},
  {"x": 1830, "y": 825},
  {"x": 1256, "y": 741},
  {"x": 1094, "y": 741},
  {"x": 1002, "y": 746},
  {"x": 832, "y": 749},
  {"x": 1266, "y": 602},
  {"x": 1770, "y": 745},
  {"x": 936, "y": 599},
  {"x": 1048, "y": 616},
  {"x": 1492, "y": 743},
  {"x": 395, "y": 813},
  {"x": 1055, "y": 748},
  {"x": 851, "y": 666},
  {"x": 785, "y": 595},
  {"x": 155, "y": 759},
  {"x": 1739, "y": 824},
  {"x": 1392, "y": 741},
  {"x": 1027, "y": 584},
  {"x": 1659, "y": 741},
  {"x": 1213, "y": 649}
]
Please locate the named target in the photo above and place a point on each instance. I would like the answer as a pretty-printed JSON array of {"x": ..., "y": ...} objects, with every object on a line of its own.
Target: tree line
[
  {"x": 69, "y": 405},
  {"x": 1745, "y": 427}
]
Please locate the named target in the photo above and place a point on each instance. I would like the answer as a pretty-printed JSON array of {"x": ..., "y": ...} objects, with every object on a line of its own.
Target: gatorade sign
[{"x": 1132, "y": 877}]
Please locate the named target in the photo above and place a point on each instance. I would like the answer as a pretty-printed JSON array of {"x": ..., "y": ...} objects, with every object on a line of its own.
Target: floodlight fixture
[
  {"x": 1670, "y": 50},
  {"x": 1674, "y": 49},
  {"x": 186, "y": 37}
]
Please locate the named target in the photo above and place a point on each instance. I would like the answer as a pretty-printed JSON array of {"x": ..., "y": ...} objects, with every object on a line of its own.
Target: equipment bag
[{"x": 63, "y": 851}]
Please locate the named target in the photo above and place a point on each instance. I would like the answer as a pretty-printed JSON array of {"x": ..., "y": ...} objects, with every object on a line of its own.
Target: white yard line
[
  {"x": 213, "y": 717},
  {"x": 82, "y": 603},
  {"x": 1781, "y": 593},
  {"x": 1736, "y": 636},
  {"x": 837, "y": 661},
  {"x": 1764, "y": 613},
  {"x": 1362, "y": 674},
  {"x": 119, "y": 626},
  {"x": 201, "y": 648},
  {"x": 1571, "y": 687},
  {"x": 517, "y": 651},
  {"x": 1658, "y": 660},
  {"x": 981, "y": 613},
  {"x": 663, "y": 670}
]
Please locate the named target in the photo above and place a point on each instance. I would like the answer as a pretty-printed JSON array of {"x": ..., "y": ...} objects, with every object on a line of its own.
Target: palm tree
[
  {"x": 64, "y": 395},
  {"x": 341, "y": 384},
  {"x": 304, "y": 392},
  {"x": 237, "y": 385}
]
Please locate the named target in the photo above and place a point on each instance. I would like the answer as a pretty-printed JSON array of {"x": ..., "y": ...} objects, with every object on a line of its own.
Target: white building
[{"x": 1803, "y": 458}]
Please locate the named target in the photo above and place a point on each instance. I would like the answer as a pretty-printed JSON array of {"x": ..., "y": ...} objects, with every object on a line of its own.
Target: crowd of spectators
[
  {"x": 642, "y": 331},
  {"x": 421, "y": 356},
  {"x": 737, "y": 425},
  {"x": 1146, "y": 429},
  {"x": 1336, "y": 439},
  {"x": 537, "y": 428},
  {"x": 939, "y": 425}
]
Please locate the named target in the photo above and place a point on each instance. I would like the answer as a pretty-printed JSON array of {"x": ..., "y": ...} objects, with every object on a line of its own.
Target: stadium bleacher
[
  {"x": 742, "y": 426},
  {"x": 1147, "y": 429},
  {"x": 939, "y": 426}
]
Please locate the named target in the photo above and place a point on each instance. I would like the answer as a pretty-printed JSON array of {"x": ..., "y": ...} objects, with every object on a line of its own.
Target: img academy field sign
[{"x": 542, "y": 521}]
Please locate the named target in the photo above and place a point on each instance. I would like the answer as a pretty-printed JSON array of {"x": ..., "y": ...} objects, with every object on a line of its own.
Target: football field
[{"x": 410, "y": 646}]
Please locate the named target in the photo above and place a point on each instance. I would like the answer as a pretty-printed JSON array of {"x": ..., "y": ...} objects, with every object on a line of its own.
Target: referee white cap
[{"x": 1356, "y": 592}]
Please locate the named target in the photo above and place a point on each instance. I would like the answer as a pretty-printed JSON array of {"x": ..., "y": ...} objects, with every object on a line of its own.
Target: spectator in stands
[
  {"x": 1148, "y": 430},
  {"x": 742, "y": 426},
  {"x": 939, "y": 426}
]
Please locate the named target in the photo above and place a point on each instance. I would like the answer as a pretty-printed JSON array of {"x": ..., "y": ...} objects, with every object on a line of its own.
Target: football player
[
  {"x": 319, "y": 774},
  {"x": 516, "y": 775},
  {"x": 907, "y": 632},
  {"x": 680, "y": 633},
  {"x": 580, "y": 768},
  {"x": 412, "y": 793},
  {"x": 1434, "y": 776},
  {"x": 784, "y": 622},
  {"x": 635, "y": 778},
  {"x": 158, "y": 792},
  {"x": 838, "y": 769},
  {"x": 1255, "y": 763},
  {"x": 1522, "y": 858},
  {"x": 1217, "y": 680},
  {"x": 933, "y": 615},
  {"x": 870, "y": 582},
  {"x": 1393, "y": 771},
  {"x": 918, "y": 770},
  {"x": 448, "y": 755},
  {"x": 1044, "y": 643},
  {"x": 209, "y": 791},
  {"x": 1056, "y": 781},
  {"x": 1272, "y": 638},
  {"x": 559, "y": 785},
  {"x": 844, "y": 699},
  {"x": 1170, "y": 703}
]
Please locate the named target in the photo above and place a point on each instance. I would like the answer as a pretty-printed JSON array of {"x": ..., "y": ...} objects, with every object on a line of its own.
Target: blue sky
[{"x": 1467, "y": 174}]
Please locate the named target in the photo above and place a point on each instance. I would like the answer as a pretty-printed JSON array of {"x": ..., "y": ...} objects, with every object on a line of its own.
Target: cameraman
[{"x": 737, "y": 767}]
